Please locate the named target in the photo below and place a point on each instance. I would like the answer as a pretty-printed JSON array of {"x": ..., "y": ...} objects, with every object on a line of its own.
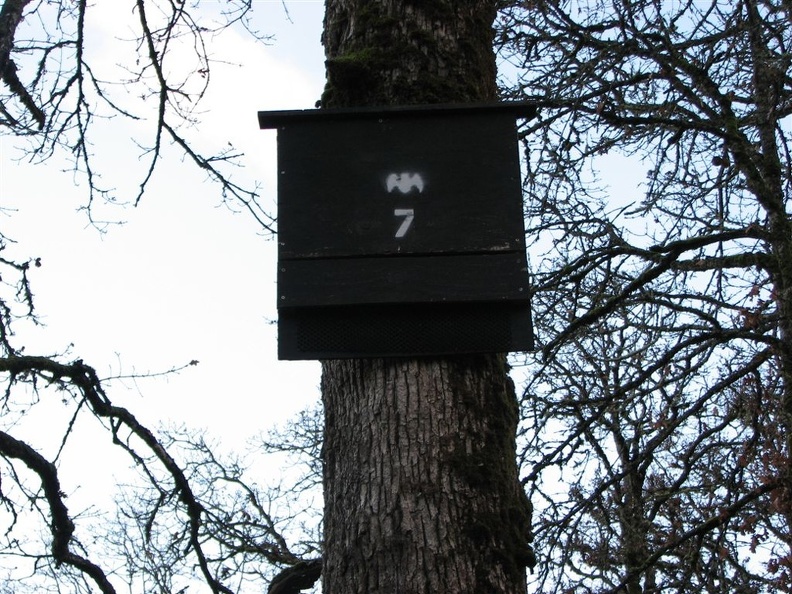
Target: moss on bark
[{"x": 397, "y": 53}]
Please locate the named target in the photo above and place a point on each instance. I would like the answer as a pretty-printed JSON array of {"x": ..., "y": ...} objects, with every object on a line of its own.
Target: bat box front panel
[
  {"x": 397, "y": 331},
  {"x": 381, "y": 186}
]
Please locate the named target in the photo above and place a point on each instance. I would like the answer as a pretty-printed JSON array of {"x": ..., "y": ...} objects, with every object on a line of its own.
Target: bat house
[{"x": 400, "y": 231}]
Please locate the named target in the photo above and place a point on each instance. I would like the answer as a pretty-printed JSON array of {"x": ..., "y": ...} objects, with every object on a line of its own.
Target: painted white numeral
[{"x": 409, "y": 215}]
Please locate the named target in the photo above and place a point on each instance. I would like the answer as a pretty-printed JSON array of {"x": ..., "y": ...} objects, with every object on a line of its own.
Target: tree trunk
[
  {"x": 420, "y": 475},
  {"x": 421, "y": 490}
]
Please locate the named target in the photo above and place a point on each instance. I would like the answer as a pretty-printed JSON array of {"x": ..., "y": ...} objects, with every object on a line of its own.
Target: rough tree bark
[{"x": 421, "y": 483}]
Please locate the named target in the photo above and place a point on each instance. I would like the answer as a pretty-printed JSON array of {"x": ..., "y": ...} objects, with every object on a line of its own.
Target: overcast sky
[{"x": 184, "y": 278}]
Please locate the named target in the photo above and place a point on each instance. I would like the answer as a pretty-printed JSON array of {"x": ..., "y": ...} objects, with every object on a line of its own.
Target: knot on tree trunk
[{"x": 296, "y": 578}]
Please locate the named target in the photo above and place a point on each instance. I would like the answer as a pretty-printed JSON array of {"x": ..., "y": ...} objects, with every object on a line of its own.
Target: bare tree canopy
[
  {"x": 655, "y": 423},
  {"x": 664, "y": 399},
  {"x": 191, "y": 514},
  {"x": 56, "y": 88}
]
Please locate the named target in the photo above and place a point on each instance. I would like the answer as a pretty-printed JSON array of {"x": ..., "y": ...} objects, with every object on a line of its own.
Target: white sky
[{"x": 184, "y": 278}]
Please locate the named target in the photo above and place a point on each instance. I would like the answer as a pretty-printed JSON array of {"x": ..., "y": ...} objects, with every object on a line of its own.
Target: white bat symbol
[{"x": 405, "y": 182}]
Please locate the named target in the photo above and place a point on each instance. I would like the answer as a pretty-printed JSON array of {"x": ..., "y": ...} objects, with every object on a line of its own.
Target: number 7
[{"x": 409, "y": 215}]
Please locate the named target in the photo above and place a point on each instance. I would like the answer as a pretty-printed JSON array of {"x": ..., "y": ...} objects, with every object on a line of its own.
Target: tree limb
[
  {"x": 11, "y": 15},
  {"x": 296, "y": 578},
  {"x": 61, "y": 524}
]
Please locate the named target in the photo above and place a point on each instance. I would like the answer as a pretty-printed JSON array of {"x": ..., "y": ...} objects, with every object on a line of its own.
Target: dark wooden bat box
[{"x": 400, "y": 232}]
